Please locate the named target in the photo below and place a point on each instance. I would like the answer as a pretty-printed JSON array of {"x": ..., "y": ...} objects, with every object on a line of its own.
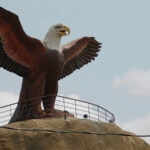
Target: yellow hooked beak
[{"x": 64, "y": 31}]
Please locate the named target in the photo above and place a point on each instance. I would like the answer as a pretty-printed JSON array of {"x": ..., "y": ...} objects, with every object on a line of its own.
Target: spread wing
[
  {"x": 12, "y": 66},
  {"x": 19, "y": 53},
  {"x": 78, "y": 53}
]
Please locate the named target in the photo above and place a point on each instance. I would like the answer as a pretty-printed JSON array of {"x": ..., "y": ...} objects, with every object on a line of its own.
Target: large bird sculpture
[{"x": 41, "y": 63}]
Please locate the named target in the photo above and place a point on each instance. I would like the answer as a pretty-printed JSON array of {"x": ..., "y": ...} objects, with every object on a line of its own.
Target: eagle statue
[{"x": 41, "y": 63}]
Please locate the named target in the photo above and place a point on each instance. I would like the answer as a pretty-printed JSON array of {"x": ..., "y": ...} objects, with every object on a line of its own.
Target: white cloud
[
  {"x": 138, "y": 126},
  {"x": 136, "y": 82},
  {"x": 7, "y": 98},
  {"x": 74, "y": 96}
]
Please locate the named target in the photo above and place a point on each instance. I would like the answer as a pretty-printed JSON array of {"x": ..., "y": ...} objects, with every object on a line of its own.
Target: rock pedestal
[{"x": 39, "y": 140}]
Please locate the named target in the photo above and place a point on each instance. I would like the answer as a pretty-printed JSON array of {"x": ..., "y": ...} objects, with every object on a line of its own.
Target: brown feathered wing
[
  {"x": 18, "y": 52},
  {"x": 78, "y": 53}
]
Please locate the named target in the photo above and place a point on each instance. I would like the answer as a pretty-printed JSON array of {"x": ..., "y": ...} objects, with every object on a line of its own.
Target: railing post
[
  {"x": 10, "y": 111},
  {"x": 64, "y": 103},
  {"x": 76, "y": 109},
  {"x": 89, "y": 110},
  {"x": 113, "y": 119},
  {"x": 106, "y": 115},
  {"x": 98, "y": 114},
  {"x": 65, "y": 116}
]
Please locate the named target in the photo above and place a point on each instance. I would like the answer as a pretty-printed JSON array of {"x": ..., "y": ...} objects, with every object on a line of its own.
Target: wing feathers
[
  {"x": 78, "y": 53},
  {"x": 18, "y": 51},
  {"x": 12, "y": 66}
]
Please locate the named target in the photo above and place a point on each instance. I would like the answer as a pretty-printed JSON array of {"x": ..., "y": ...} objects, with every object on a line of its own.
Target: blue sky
[{"x": 115, "y": 79}]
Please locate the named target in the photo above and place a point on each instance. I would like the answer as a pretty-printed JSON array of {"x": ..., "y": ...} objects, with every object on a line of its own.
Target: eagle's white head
[{"x": 53, "y": 37}]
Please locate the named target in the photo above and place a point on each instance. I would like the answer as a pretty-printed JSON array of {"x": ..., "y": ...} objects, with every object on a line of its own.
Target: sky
[{"x": 119, "y": 78}]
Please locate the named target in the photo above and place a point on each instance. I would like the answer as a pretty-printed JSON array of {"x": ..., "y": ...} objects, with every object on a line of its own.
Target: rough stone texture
[{"x": 23, "y": 140}]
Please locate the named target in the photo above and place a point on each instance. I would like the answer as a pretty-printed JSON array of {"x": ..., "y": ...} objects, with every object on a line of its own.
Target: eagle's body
[
  {"x": 43, "y": 84},
  {"x": 41, "y": 64}
]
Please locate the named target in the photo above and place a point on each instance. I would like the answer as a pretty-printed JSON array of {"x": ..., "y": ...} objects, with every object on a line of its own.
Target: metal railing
[{"x": 78, "y": 108}]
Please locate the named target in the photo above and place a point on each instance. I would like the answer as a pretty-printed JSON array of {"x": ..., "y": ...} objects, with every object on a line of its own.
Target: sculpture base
[
  {"x": 55, "y": 113},
  {"x": 24, "y": 112}
]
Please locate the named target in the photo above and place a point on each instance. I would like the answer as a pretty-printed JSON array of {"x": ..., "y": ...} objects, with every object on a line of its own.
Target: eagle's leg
[
  {"x": 50, "y": 94},
  {"x": 29, "y": 105}
]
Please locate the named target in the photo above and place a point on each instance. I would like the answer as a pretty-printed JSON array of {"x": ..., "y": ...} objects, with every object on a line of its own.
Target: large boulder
[{"x": 42, "y": 140}]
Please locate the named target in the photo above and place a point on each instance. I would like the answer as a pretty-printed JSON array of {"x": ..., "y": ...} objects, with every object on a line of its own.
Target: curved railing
[{"x": 78, "y": 108}]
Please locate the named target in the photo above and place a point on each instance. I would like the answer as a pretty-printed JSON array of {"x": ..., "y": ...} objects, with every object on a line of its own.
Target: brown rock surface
[{"x": 29, "y": 140}]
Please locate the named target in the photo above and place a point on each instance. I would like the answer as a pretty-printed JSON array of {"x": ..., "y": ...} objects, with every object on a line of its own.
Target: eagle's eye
[{"x": 58, "y": 27}]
